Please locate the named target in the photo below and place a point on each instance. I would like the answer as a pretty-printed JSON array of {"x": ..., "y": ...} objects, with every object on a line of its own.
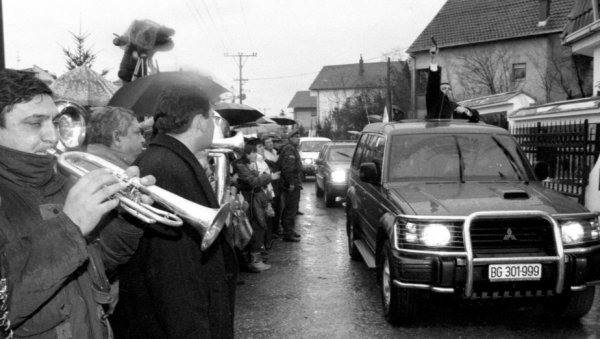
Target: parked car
[
  {"x": 309, "y": 148},
  {"x": 333, "y": 163},
  {"x": 455, "y": 208}
]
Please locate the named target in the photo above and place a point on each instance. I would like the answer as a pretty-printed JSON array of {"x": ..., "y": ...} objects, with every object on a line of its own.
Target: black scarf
[{"x": 26, "y": 169}]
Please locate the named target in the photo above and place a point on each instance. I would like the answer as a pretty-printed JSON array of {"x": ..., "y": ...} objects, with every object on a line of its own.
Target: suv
[
  {"x": 333, "y": 163},
  {"x": 455, "y": 208}
]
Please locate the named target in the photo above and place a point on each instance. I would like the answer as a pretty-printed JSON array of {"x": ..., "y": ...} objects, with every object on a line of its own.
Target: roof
[
  {"x": 302, "y": 99},
  {"x": 490, "y": 99},
  {"x": 461, "y": 22},
  {"x": 580, "y": 16},
  {"x": 350, "y": 77},
  {"x": 432, "y": 126},
  {"x": 558, "y": 107}
]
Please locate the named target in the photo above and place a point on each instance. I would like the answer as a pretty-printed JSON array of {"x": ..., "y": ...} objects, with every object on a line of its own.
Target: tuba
[{"x": 71, "y": 131}]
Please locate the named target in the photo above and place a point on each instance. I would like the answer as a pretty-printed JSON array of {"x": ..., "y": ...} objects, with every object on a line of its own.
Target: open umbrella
[
  {"x": 84, "y": 86},
  {"x": 284, "y": 121},
  {"x": 237, "y": 114},
  {"x": 142, "y": 94}
]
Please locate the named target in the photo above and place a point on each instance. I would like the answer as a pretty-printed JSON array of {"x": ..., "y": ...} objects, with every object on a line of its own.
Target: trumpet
[{"x": 208, "y": 221}]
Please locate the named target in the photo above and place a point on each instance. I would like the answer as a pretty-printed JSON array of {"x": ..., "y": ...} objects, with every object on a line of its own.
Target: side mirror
[
  {"x": 368, "y": 173},
  {"x": 541, "y": 170}
]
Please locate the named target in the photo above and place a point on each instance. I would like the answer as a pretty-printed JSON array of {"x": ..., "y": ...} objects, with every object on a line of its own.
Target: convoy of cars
[
  {"x": 455, "y": 208},
  {"x": 332, "y": 164}
]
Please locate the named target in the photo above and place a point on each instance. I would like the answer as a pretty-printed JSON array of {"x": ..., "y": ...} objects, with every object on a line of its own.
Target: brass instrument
[{"x": 208, "y": 221}]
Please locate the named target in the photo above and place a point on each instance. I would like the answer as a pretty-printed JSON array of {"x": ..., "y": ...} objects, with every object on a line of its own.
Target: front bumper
[
  {"x": 309, "y": 169},
  {"x": 338, "y": 190},
  {"x": 466, "y": 273}
]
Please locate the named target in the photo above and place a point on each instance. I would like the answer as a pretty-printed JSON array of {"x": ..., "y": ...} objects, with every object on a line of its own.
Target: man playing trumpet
[
  {"x": 53, "y": 254},
  {"x": 171, "y": 288}
]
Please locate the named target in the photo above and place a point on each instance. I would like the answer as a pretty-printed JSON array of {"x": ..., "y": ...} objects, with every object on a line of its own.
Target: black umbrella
[
  {"x": 284, "y": 121},
  {"x": 142, "y": 94},
  {"x": 237, "y": 114}
]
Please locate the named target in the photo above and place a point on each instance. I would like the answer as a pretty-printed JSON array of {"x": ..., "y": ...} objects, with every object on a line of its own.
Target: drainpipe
[{"x": 413, "y": 84}]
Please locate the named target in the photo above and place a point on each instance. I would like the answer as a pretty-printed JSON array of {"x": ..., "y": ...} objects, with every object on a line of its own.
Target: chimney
[
  {"x": 544, "y": 11},
  {"x": 361, "y": 66}
]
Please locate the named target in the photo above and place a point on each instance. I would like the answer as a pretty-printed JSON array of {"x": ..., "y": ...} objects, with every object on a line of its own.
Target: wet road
[{"x": 314, "y": 290}]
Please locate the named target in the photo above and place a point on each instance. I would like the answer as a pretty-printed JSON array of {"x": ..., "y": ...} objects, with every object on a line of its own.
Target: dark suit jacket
[
  {"x": 170, "y": 288},
  {"x": 439, "y": 106}
]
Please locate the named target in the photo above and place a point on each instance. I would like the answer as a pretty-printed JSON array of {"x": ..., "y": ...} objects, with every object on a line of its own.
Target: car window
[
  {"x": 322, "y": 152},
  {"x": 480, "y": 157},
  {"x": 311, "y": 146},
  {"x": 360, "y": 148},
  {"x": 340, "y": 153}
]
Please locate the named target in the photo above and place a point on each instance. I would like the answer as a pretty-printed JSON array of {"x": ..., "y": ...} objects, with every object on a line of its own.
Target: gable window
[{"x": 519, "y": 71}]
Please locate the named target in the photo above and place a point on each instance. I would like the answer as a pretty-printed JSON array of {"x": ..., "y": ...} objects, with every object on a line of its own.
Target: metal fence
[{"x": 570, "y": 149}]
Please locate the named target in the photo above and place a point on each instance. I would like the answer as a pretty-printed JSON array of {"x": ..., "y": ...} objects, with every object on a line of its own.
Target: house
[
  {"x": 336, "y": 83},
  {"x": 304, "y": 109},
  {"x": 495, "y": 109},
  {"x": 489, "y": 47},
  {"x": 42, "y": 74},
  {"x": 582, "y": 34}
]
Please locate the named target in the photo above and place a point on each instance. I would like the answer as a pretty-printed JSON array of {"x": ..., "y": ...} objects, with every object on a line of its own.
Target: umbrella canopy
[
  {"x": 284, "y": 121},
  {"x": 84, "y": 86},
  {"x": 142, "y": 94},
  {"x": 237, "y": 114}
]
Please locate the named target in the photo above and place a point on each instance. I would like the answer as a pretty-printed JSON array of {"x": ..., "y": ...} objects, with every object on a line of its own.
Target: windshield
[
  {"x": 341, "y": 153},
  {"x": 456, "y": 157},
  {"x": 312, "y": 146}
]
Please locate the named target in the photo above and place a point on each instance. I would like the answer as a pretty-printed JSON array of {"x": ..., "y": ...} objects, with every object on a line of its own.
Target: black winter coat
[
  {"x": 170, "y": 288},
  {"x": 439, "y": 106}
]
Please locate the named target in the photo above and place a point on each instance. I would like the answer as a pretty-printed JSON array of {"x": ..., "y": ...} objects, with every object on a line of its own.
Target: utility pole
[
  {"x": 240, "y": 63},
  {"x": 388, "y": 102},
  {"x": 2, "y": 63}
]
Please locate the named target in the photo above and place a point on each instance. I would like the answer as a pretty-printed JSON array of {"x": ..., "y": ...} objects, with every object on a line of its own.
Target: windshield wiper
[
  {"x": 461, "y": 162},
  {"x": 344, "y": 154},
  {"x": 512, "y": 161}
]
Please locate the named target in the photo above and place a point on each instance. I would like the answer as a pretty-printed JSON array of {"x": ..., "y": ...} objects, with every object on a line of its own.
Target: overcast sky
[{"x": 293, "y": 39}]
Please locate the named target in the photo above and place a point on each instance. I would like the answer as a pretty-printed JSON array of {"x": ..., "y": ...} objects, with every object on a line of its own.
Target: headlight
[
  {"x": 572, "y": 232},
  {"x": 435, "y": 235},
  {"x": 428, "y": 233},
  {"x": 307, "y": 161},
  {"x": 338, "y": 176}
]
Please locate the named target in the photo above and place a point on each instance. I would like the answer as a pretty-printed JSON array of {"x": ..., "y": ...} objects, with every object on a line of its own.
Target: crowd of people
[{"x": 72, "y": 260}]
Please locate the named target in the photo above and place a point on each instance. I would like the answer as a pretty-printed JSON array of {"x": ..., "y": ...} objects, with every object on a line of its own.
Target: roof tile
[{"x": 461, "y": 22}]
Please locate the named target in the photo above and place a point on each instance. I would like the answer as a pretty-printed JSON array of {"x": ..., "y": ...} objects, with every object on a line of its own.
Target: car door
[{"x": 374, "y": 199}]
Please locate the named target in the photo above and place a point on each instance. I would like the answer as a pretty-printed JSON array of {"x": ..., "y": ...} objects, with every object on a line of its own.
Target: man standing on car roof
[{"x": 291, "y": 178}]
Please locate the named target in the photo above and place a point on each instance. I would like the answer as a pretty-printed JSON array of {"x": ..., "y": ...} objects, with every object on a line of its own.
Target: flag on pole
[{"x": 385, "y": 117}]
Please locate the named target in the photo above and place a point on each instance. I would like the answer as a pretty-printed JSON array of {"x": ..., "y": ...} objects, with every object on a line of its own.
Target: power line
[{"x": 285, "y": 76}]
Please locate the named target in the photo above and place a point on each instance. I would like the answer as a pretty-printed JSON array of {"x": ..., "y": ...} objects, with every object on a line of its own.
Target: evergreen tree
[{"x": 81, "y": 55}]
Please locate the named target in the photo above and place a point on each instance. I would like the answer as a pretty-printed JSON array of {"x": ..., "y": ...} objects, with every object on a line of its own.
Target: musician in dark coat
[
  {"x": 439, "y": 104},
  {"x": 171, "y": 288}
]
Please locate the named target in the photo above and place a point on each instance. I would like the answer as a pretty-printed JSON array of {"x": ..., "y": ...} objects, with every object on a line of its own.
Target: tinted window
[
  {"x": 448, "y": 157},
  {"x": 360, "y": 148}
]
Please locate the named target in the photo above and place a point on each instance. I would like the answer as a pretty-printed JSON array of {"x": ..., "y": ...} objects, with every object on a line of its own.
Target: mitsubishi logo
[{"x": 509, "y": 235}]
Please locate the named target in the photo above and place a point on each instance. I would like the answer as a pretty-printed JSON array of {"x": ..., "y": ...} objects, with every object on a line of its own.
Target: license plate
[{"x": 510, "y": 272}]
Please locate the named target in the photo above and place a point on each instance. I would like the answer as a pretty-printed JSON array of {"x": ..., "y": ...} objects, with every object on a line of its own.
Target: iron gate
[{"x": 569, "y": 148}]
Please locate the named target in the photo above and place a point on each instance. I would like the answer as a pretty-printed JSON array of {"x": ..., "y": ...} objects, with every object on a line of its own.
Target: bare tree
[{"x": 486, "y": 71}]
